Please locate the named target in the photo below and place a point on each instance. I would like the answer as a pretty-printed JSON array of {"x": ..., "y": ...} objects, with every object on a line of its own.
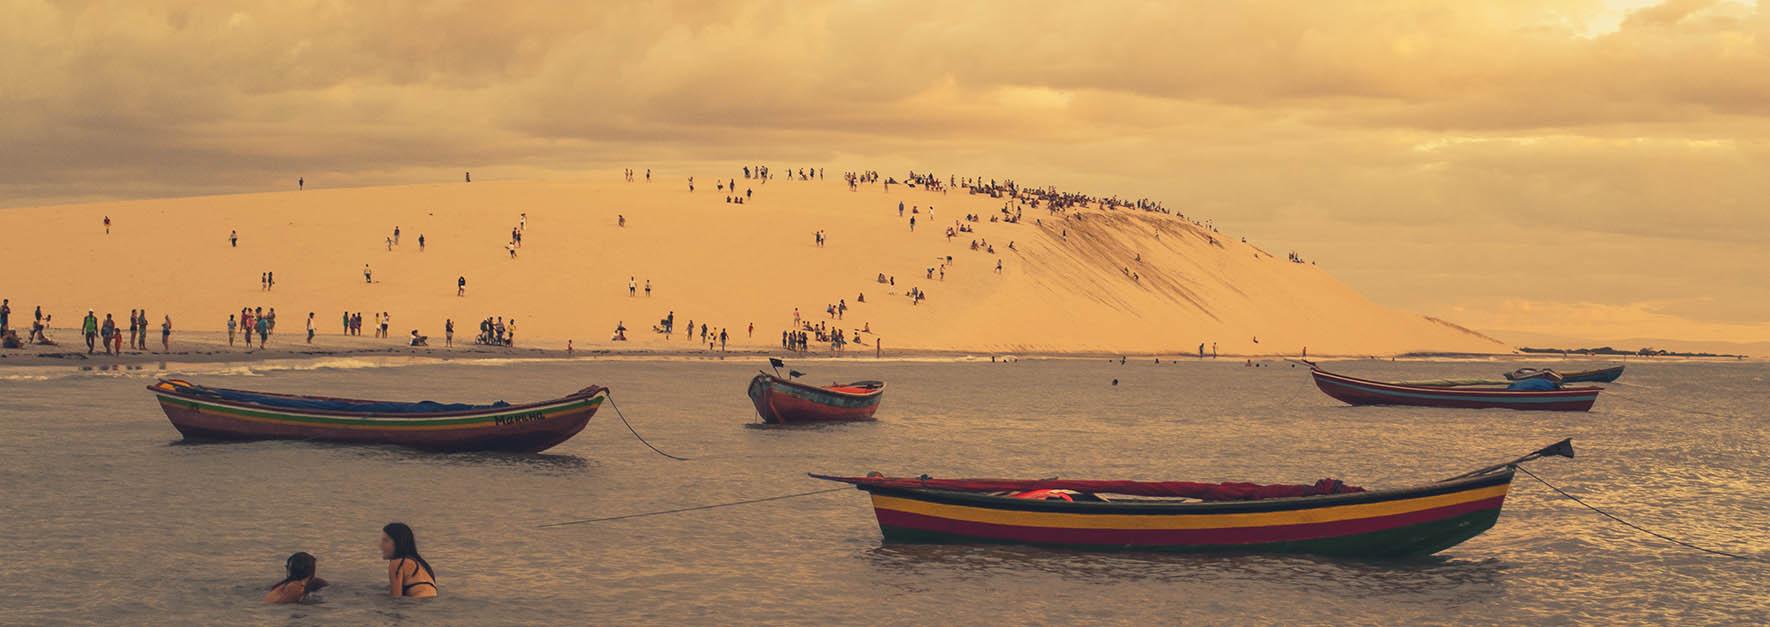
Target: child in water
[
  {"x": 408, "y": 575},
  {"x": 300, "y": 582}
]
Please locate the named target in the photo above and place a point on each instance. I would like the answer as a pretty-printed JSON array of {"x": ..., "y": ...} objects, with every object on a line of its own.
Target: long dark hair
[
  {"x": 405, "y": 546},
  {"x": 300, "y": 566}
]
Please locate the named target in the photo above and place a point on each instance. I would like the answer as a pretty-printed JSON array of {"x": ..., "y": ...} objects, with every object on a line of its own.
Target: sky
[{"x": 1590, "y": 169}]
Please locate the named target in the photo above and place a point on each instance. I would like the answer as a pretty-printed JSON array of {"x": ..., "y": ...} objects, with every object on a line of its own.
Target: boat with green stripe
[{"x": 209, "y": 413}]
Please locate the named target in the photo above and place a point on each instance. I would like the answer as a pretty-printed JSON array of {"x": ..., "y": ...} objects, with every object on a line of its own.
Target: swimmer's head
[
  {"x": 397, "y": 541},
  {"x": 301, "y": 567}
]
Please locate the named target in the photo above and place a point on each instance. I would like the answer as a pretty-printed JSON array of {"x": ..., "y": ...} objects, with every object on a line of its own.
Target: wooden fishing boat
[
  {"x": 1601, "y": 375},
  {"x": 206, "y": 413},
  {"x": 1327, "y": 518},
  {"x": 783, "y": 401},
  {"x": 1355, "y": 391}
]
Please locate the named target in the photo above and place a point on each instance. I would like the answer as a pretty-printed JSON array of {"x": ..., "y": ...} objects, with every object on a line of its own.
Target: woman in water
[
  {"x": 408, "y": 575},
  {"x": 300, "y": 582}
]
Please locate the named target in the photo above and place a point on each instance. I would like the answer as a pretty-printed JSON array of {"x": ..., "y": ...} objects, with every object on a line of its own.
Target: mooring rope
[
  {"x": 692, "y": 509},
  {"x": 1305, "y": 387},
  {"x": 635, "y": 432},
  {"x": 1627, "y": 523},
  {"x": 1664, "y": 406}
]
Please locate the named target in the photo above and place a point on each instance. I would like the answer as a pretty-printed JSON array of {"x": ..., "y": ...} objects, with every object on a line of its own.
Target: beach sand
[{"x": 1064, "y": 290}]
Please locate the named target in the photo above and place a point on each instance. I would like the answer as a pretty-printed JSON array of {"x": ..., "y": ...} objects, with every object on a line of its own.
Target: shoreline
[{"x": 212, "y": 349}]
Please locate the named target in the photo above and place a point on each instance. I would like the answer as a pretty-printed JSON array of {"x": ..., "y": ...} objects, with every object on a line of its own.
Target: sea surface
[{"x": 107, "y": 518}]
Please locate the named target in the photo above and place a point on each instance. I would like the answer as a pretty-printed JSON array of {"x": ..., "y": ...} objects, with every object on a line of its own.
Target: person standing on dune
[
  {"x": 166, "y": 335},
  {"x": 89, "y": 329},
  {"x": 368, "y": 276},
  {"x": 108, "y": 333},
  {"x": 461, "y": 286},
  {"x": 231, "y": 325},
  {"x": 233, "y": 239},
  {"x": 310, "y": 327}
]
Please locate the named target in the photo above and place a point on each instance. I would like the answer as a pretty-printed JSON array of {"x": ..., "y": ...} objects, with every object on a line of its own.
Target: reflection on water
[
  {"x": 93, "y": 493},
  {"x": 1369, "y": 577}
]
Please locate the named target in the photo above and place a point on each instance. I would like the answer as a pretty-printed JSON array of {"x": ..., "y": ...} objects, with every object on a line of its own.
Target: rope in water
[
  {"x": 635, "y": 432},
  {"x": 1627, "y": 523},
  {"x": 1697, "y": 412},
  {"x": 692, "y": 509}
]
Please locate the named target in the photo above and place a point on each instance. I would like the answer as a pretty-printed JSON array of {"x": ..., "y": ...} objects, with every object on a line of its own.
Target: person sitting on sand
[
  {"x": 419, "y": 340},
  {"x": 408, "y": 575},
  {"x": 300, "y": 582}
]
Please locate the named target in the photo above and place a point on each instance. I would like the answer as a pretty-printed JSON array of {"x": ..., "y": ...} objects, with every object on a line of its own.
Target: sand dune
[{"x": 1066, "y": 287}]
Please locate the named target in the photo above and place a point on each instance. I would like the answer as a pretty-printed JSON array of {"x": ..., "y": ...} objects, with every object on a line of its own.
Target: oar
[{"x": 1563, "y": 448}]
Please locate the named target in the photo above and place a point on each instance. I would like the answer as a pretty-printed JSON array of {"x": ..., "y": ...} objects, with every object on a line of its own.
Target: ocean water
[{"x": 106, "y": 517}]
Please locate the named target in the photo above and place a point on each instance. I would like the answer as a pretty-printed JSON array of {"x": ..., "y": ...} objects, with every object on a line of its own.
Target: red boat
[
  {"x": 783, "y": 401},
  {"x": 1355, "y": 391}
]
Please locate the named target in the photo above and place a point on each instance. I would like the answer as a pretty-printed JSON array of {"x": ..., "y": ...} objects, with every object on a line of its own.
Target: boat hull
[
  {"x": 779, "y": 401},
  {"x": 525, "y": 429},
  {"x": 1355, "y": 391},
  {"x": 1606, "y": 375},
  {"x": 1394, "y": 523}
]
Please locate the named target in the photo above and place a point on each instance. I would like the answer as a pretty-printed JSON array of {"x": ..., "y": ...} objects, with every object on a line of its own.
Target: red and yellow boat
[
  {"x": 783, "y": 401},
  {"x": 1327, "y": 518},
  {"x": 207, "y": 413}
]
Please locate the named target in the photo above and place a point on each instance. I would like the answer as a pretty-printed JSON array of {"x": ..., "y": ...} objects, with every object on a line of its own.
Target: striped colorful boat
[
  {"x": 206, "y": 413},
  {"x": 1327, "y": 518},
  {"x": 781, "y": 401},
  {"x": 1356, "y": 391}
]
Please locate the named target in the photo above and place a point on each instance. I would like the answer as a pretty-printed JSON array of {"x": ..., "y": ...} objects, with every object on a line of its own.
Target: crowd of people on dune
[
  {"x": 800, "y": 336},
  {"x": 716, "y": 338}
]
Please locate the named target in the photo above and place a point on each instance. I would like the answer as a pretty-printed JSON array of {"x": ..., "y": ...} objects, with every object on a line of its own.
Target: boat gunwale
[{"x": 1176, "y": 507}]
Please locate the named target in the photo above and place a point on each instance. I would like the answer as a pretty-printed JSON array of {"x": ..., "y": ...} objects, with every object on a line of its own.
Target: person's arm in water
[
  {"x": 396, "y": 578},
  {"x": 287, "y": 593}
]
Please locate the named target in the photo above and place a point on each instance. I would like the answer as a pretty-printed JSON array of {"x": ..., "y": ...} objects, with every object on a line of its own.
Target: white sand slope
[{"x": 710, "y": 262}]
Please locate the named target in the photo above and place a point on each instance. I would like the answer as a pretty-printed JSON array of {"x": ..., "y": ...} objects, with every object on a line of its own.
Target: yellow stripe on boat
[{"x": 1065, "y": 520}]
